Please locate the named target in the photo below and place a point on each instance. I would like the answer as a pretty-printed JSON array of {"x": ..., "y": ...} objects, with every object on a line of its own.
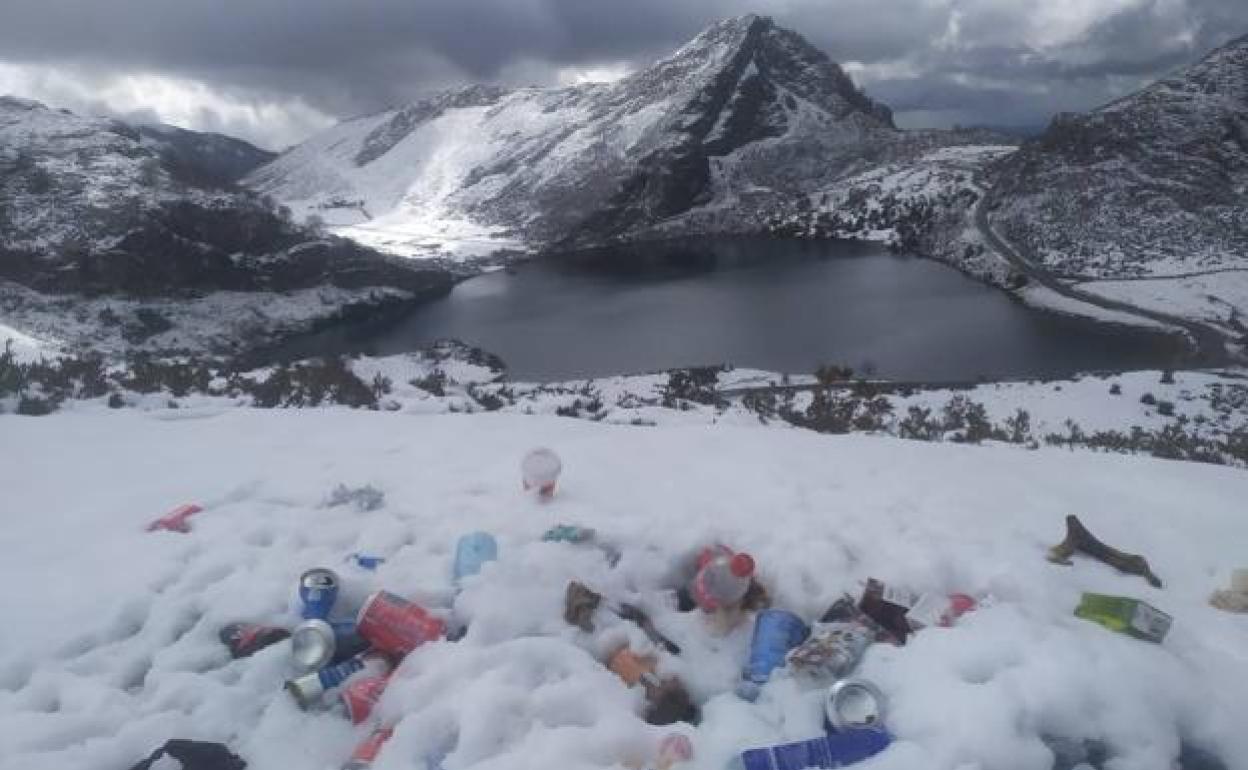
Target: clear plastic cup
[{"x": 539, "y": 471}]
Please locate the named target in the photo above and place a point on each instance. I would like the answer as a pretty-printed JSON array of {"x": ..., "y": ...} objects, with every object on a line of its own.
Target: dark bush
[{"x": 1148, "y": 398}]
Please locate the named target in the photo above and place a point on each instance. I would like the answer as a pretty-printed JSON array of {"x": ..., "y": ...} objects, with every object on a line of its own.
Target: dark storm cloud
[{"x": 971, "y": 58}]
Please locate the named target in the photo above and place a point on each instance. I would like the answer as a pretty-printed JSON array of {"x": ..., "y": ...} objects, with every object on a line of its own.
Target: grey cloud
[{"x": 345, "y": 58}]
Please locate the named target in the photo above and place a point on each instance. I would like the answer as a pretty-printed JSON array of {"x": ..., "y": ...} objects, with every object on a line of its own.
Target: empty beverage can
[
  {"x": 316, "y": 643},
  {"x": 395, "y": 626},
  {"x": 360, "y": 696},
  {"x": 854, "y": 704},
  {"x": 307, "y": 689},
  {"x": 318, "y": 590},
  {"x": 833, "y": 750},
  {"x": 245, "y": 639}
]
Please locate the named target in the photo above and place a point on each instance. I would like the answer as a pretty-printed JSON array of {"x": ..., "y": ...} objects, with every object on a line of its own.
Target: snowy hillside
[
  {"x": 94, "y": 210},
  {"x": 1150, "y": 186},
  {"x": 102, "y": 663},
  {"x": 744, "y": 115}
]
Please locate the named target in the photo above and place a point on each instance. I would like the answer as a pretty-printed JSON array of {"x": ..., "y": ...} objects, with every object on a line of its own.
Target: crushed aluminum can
[
  {"x": 832, "y": 651},
  {"x": 246, "y": 639},
  {"x": 318, "y": 590},
  {"x": 854, "y": 704},
  {"x": 396, "y": 626},
  {"x": 308, "y": 689}
]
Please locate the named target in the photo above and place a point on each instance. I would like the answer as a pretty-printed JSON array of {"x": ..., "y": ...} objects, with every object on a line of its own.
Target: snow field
[{"x": 111, "y": 645}]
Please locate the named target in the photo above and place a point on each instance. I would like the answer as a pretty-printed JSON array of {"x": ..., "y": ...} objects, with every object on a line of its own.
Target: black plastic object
[{"x": 194, "y": 755}]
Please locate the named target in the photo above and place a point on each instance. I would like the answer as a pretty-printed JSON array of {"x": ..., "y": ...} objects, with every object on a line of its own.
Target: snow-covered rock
[{"x": 211, "y": 159}]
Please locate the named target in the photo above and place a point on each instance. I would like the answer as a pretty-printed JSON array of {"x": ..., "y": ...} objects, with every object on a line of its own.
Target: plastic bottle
[
  {"x": 472, "y": 552},
  {"x": 722, "y": 580}
]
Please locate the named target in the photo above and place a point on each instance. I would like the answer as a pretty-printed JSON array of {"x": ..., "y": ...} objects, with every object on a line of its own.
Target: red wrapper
[
  {"x": 395, "y": 626},
  {"x": 176, "y": 520}
]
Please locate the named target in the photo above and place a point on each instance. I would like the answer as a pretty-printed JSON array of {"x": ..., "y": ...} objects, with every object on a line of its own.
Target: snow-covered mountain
[
  {"x": 203, "y": 158},
  {"x": 1154, "y": 184},
  {"x": 706, "y": 139},
  {"x": 88, "y": 206}
]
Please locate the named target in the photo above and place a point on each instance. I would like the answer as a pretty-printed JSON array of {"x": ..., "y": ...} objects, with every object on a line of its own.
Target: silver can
[
  {"x": 312, "y": 645},
  {"x": 854, "y": 704}
]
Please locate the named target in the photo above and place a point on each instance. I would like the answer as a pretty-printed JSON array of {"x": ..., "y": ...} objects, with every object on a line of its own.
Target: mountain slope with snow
[
  {"x": 1152, "y": 185},
  {"x": 93, "y": 207},
  {"x": 204, "y": 158},
  {"x": 744, "y": 114}
]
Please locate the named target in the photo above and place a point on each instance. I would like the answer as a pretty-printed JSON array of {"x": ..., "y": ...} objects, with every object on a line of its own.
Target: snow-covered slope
[
  {"x": 1155, "y": 184},
  {"x": 745, "y": 113},
  {"x": 111, "y": 647},
  {"x": 86, "y": 204},
  {"x": 92, "y": 206}
]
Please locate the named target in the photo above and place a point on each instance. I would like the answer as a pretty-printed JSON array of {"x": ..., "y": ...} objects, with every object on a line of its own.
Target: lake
[{"x": 775, "y": 304}]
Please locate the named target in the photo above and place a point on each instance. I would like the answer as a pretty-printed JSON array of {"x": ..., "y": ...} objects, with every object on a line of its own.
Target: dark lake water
[{"x": 780, "y": 305}]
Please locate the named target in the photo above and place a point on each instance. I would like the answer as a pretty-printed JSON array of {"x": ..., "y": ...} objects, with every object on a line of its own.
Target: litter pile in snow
[{"x": 111, "y": 632}]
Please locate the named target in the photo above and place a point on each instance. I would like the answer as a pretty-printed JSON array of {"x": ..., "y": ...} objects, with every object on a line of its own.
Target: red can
[
  {"x": 395, "y": 626},
  {"x": 361, "y": 696},
  {"x": 366, "y": 753}
]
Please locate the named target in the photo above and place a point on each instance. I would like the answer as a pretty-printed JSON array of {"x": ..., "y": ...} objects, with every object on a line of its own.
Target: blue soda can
[
  {"x": 835, "y": 750},
  {"x": 472, "y": 552},
  {"x": 318, "y": 589},
  {"x": 775, "y": 633}
]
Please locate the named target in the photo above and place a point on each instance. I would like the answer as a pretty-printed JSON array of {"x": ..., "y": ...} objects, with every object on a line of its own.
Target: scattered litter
[
  {"x": 396, "y": 626},
  {"x": 318, "y": 590},
  {"x": 472, "y": 552},
  {"x": 775, "y": 633},
  {"x": 1125, "y": 615},
  {"x": 192, "y": 755},
  {"x": 673, "y": 750},
  {"x": 1079, "y": 539},
  {"x": 317, "y": 643},
  {"x": 939, "y": 610},
  {"x": 360, "y": 696},
  {"x": 246, "y": 639},
  {"x": 832, "y": 651},
  {"x": 887, "y": 606},
  {"x": 854, "y": 704},
  {"x": 580, "y": 603},
  {"x": 365, "y": 498},
  {"x": 308, "y": 689},
  {"x": 366, "y": 561},
  {"x": 1235, "y": 598},
  {"x": 539, "y": 470},
  {"x": 366, "y": 753},
  {"x": 832, "y": 750},
  {"x": 176, "y": 520}
]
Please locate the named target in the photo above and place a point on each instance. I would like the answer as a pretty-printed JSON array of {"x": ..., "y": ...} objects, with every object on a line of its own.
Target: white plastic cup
[{"x": 539, "y": 471}]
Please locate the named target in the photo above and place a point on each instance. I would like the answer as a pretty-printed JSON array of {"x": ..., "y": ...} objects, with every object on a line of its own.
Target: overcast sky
[{"x": 274, "y": 71}]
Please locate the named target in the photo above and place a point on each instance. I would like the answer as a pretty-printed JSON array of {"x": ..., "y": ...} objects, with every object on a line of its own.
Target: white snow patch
[{"x": 103, "y": 663}]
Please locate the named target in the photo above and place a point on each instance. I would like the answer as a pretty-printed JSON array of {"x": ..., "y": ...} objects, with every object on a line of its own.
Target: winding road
[{"x": 1209, "y": 343}]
